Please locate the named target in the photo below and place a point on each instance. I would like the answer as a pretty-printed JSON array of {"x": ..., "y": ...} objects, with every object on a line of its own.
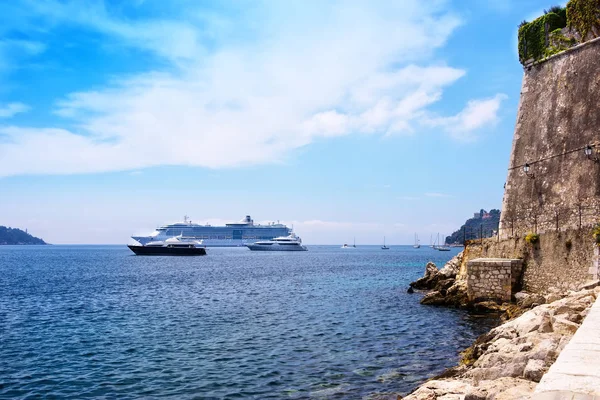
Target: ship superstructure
[{"x": 235, "y": 234}]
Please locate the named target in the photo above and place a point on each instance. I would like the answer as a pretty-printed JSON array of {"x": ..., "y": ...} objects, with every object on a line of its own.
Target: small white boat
[{"x": 282, "y": 243}]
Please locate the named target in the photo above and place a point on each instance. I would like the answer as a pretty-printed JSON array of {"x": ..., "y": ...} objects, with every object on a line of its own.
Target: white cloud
[
  {"x": 476, "y": 115},
  {"x": 174, "y": 39},
  {"x": 407, "y": 198},
  {"x": 12, "y": 109},
  {"x": 320, "y": 70}
]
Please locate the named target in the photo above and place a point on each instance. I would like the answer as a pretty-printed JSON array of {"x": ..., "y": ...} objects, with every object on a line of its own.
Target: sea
[{"x": 329, "y": 323}]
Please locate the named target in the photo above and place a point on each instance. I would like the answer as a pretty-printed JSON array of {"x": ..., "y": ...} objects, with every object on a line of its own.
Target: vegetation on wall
[
  {"x": 584, "y": 17},
  {"x": 534, "y": 37},
  {"x": 532, "y": 238},
  {"x": 544, "y": 36},
  {"x": 596, "y": 233}
]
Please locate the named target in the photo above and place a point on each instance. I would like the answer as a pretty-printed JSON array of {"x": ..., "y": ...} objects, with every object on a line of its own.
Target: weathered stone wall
[
  {"x": 490, "y": 278},
  {"x": 558, "y": 117},
  {"x": 561, "y": 260}
]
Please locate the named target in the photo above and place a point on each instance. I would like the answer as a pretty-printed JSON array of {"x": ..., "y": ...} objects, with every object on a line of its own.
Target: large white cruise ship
[{"x": 236, "y": 234}]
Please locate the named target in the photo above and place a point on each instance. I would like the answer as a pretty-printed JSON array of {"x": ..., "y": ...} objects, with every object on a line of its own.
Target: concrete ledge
[
  {"x": 560, "y": 395},
  {"x": 576, "y": 372}
]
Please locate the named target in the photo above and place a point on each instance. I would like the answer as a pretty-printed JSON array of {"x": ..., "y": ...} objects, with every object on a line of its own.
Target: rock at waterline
[
  {"x": 445, "y": 288},
  {"x": 507, "y": 362},
  {"x": 429, "y": 280}
]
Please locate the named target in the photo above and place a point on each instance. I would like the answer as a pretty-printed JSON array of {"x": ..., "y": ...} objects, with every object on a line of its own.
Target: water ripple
[{"x": 97, "y": 322}]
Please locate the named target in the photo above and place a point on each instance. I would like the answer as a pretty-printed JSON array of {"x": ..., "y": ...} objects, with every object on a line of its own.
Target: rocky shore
[
  {"x": 445, "y": 286},
  {"x": 448, "y": 287},
  {"x": 507, "y": 362}
]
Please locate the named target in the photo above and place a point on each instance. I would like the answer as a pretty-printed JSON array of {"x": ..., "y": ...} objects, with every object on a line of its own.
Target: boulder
[
  {"x": 456, "y": 295},
  {"x": 429, "y": 280},
  {"x": 531, "y": 300},
  {"x": 552, "y": 297},
  {"x": 444, "y": 284},
  {"x": 500, "y": 344},
  {"x": 452, "y": 267},
  {"x": 534, "y": 370},
  {"x": 476, "y": 394},
  {"x": 528, "y": 322},
  {"x": 519, "y": 296},
  {"x": 564, "y": 326},
  {"x": 545, "y": 349},
  {"x": 434, "y": 298},
  {"x": 524, "y": 347},
  {"x": 440, "y": 390},
  {"x": 487, "y": 307},
  {"x": 508, "y": 388},
  {"x": 546, "y": 324}
]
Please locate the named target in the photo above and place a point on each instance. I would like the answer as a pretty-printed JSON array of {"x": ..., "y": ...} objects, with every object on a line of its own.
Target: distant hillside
[
  {"x": 483, "y": 222},
  {"x": 17, "y": 236}
]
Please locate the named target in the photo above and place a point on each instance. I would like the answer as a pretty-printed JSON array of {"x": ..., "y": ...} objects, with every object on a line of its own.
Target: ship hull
[
  {"x": 167, "y": 251},
  {"x": 257, "y": 247}
]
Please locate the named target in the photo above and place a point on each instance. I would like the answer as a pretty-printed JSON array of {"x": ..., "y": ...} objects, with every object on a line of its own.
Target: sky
[{"x": 346, "y": 119}]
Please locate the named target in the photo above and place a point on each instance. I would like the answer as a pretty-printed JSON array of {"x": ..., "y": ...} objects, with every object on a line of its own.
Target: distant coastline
[{"x": 15, "y": 236}]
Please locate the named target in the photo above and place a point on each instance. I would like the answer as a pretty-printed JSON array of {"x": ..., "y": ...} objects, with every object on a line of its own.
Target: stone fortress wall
[
  {"x": 558, "y": 195},
  {"x": 558, "y": 117}
]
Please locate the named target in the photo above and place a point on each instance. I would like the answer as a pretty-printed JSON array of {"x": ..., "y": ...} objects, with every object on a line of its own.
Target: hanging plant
[
  {"x": 584, "y": 17},
  {"x": 532, "y": 238},
  {"x": 596, "y": 234},
  {"x": 534, "y": 37}
]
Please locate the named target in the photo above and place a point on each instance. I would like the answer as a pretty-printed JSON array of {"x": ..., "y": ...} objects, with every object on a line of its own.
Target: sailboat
[
  {"x": 416, "y": 245},
  {"x": 443, "y": 247},
  {"x": 345, "y": 246},
  {"x": 384, "y": 247}
]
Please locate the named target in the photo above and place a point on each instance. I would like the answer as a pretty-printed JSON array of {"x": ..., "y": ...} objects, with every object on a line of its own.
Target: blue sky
[{"x": 344, "y": 118}]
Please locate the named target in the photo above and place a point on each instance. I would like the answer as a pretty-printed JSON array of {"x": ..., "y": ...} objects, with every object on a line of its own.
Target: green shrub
[
  {"x": 532, "y": 238},
  {"x": 534, "y": 36},
  {"x": 583, "y": 16},
  {"x": 596, "y": 233}
]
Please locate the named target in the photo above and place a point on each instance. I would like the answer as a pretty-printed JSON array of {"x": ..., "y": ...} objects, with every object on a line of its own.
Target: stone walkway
[{"x": 576, "y": 373}]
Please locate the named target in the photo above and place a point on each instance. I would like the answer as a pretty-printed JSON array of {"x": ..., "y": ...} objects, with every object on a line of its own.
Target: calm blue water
[{"x": 97, "y": 321}]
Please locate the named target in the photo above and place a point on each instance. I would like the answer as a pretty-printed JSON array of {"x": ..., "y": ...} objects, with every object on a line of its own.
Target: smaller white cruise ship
[{"x": 281, "y": 243}]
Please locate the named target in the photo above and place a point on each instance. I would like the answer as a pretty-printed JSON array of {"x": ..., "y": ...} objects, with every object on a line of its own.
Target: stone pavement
[{"x": 576, "y": 373}]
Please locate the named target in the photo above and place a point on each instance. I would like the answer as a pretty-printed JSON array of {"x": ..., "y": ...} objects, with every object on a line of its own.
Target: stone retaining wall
[
  {"x": 561, "y": 260},
  {"x": 491, "y": 278}
]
